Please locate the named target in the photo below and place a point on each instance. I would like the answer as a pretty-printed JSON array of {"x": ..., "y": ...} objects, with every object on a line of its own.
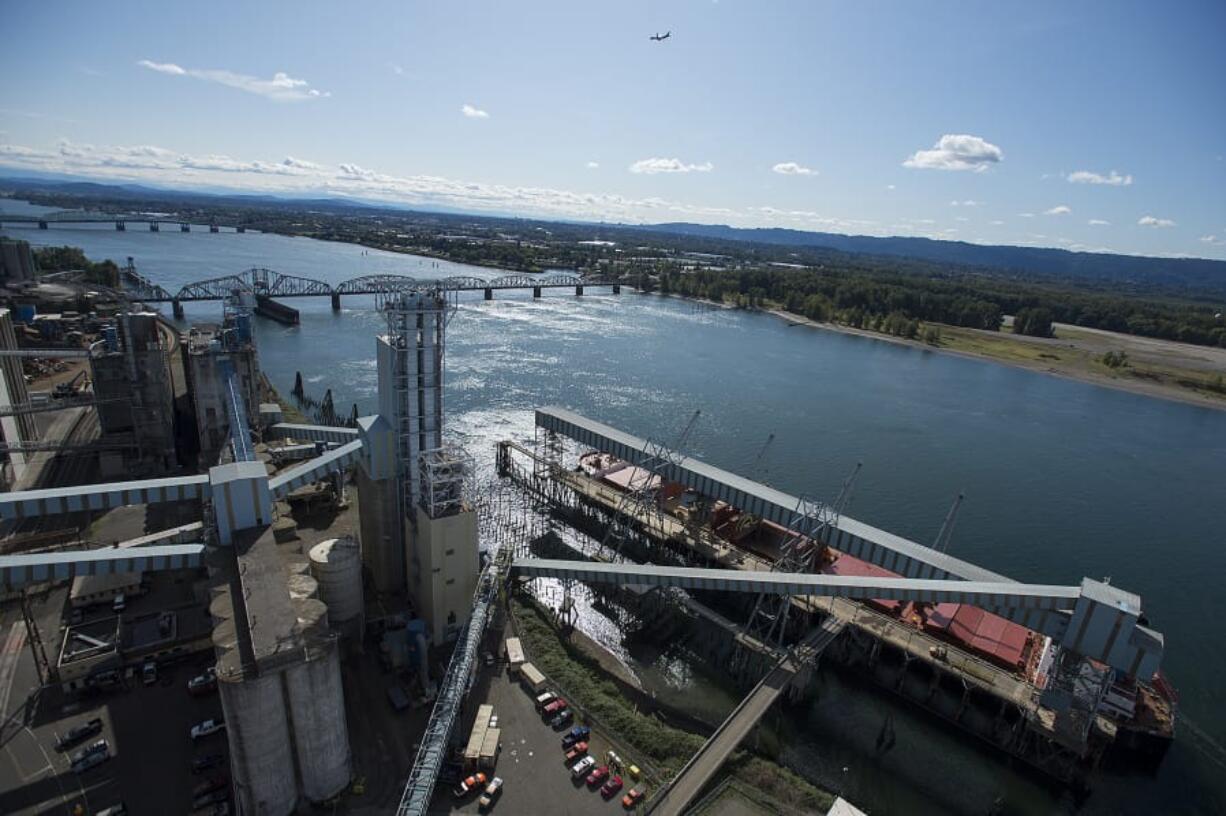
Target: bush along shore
[{"x": 666, "y": 748}]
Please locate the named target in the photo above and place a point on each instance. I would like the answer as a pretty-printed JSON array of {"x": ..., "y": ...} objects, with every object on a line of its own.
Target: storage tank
[
  {"x": 312, "y": 618},
  {"x": 317, "y": 708},
  {"x": 337, "y": 565},
  {"x": 257, "y": 729}
]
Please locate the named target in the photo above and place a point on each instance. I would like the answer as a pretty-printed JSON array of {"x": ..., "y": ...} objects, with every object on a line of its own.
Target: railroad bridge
[{"x": 267, "y": 283}]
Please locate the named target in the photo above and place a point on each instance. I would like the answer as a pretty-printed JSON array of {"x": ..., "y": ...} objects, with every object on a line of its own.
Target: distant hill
[{"x": 1188, "y": 274}]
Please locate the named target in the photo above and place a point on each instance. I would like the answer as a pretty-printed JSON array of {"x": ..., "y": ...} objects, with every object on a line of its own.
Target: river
[{"x": 1062, "y": 479}]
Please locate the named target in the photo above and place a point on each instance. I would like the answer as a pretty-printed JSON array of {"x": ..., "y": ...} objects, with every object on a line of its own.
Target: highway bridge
[
  {"x": 69, "y": 218},
  {"x": 267, "y": 283}
]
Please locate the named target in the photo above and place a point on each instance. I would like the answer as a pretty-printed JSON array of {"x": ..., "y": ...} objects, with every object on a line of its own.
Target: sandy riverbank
[{"x": 1156, "y": 368}]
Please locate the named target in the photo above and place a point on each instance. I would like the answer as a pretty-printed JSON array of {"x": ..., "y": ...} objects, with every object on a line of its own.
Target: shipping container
[
  {"x": 515, "y": 654},
  {"x": 532, "y": 678}
]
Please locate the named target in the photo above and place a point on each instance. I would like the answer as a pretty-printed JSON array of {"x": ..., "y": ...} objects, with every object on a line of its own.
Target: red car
[
  {"x": 633, "y": 797},
  {"x": 597, "y": 776},
  {"x": 555, "y": 707},
  {"x": 579, "y": 749},
  {"x": 610, "y": 788}
]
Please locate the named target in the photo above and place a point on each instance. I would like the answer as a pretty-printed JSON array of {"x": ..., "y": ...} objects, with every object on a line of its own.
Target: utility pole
[{"x": 46, "y": 672}]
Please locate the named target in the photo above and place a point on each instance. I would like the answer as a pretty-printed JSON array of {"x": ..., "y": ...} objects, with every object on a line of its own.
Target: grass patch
[{"x": 668, "y": 748}]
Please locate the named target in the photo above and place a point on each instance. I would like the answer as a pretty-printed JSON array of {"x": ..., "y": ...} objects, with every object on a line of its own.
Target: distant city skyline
[{"x": 1090, "y": 127}]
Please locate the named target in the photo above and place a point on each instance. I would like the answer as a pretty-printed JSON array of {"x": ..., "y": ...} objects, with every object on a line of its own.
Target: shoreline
[{"x": 1139, "y": 388}]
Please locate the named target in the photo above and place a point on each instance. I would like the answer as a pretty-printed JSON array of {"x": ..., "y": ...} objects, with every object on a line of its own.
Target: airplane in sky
[{"x": 658, "y": 38}]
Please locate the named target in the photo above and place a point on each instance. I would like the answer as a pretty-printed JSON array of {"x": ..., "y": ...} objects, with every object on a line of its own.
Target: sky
[{"x": 1094, "y": 126}]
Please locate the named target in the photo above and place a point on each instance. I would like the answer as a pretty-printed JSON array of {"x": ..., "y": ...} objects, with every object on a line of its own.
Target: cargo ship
[{"x": 1139, "y": 714}]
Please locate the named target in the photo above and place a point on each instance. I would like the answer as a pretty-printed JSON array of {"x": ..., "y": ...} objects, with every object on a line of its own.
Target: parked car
[
  {"x": 78, "y": 733},
  {"x": 577, "y": 750},
  {"x": 582, "y": 767},
  {"x": 554, "y": 707},
  {"x": 93, "y": 748},
  {"x": 635, "y": 773},
  {"x": 545, "y": 699},
  {"x": 149, "y": 673},
  {"x": 577, "y": 734},
  {"x": 562, "y": 718},
  {"x": 203, "y": 684},
  {"x": 632, "y": 798},
  {"x": 469, "y": 785},
  {"x": 597, "y": 776},
  {"x": 610, "y": 788},
  {"x": 203, "y": 763},
  {"x": 90, "y": 760},
  {"x": 211, "y": 783},
  {"x": 113, "y": 810},
  {"x": 120, "y": 603},
  {"x": 492, "y": 791},
  {"x": 104, "y": 679},
  {"x": 206, "y": 728}
]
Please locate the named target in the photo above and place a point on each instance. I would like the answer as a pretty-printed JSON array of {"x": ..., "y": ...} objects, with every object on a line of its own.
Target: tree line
[{"x": 890, "y": 299}]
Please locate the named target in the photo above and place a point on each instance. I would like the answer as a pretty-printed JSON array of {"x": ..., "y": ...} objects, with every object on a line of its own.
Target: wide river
[{"x": 1062, "y": 479}]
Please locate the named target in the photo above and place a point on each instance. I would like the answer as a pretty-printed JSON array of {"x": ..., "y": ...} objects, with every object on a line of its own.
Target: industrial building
[
  {"x": 16, "y": 261},
  {"x": 15, "y": 427},
  {"x": 210, "y": 351},
  {"x": 134, "y": 387}
]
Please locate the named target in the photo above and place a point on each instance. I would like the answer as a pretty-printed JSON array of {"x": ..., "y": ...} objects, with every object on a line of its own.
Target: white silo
[
  {"x": 337, "y": 566},
  {"x": 261, "y": 753},
  {"x": 302, "y": 587},
  {"x": 321, "y": 732}
]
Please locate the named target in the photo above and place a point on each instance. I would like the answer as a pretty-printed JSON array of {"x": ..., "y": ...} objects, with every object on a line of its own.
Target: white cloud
[
  {"x": 473, "y": 113},
  {"x": 967, "y": 203},
  {"x": 592, "y": 165},
  {"x": 957, "y": 152},
  {"x": 1210, "y": 239},
  {"x": 793, "y": 169},
  {"x": 961, "y": 218},
  {"x": 1151, "y": 221},
  {"x": 398, "y": 70},
  {"x": 1098, "y": 222},
  {"x": 282, "y": 87},
  {"x": 1113, "y": 178},
  {"x": 1058, "y": 210},
  {"x": 658, "y": 165},
  {"x": 162, "y": 67},
  {"x": 889, "y": 186},
  {"x": 1025, "y": 215},
  {"x": 997, "y": 223}
]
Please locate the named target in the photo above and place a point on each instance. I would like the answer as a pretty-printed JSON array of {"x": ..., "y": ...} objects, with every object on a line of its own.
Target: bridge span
[{"x": 267, "y": 283}]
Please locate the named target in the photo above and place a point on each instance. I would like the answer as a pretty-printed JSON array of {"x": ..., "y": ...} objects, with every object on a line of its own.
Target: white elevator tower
[{"x": 436, "y": 522}]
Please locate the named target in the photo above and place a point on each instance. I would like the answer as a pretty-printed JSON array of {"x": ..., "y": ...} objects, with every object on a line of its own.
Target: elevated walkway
[{"x": 673, "y": 799}]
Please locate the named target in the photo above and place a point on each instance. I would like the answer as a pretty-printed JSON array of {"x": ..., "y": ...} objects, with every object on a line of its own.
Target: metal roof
[
  {"x": 29, "y": 503},
  {"x": 18, "y": 570},
  {"x": 862, "y": 540}
]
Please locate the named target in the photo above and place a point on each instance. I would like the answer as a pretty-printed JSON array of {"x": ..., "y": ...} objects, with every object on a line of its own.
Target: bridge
[
  {"x": 673, "y": 799},
  {"x": 76, "y": 217},
  {"x": 267, "y": 283}
]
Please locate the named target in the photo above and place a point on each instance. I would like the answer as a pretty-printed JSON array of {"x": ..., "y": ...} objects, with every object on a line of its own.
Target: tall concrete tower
[{"x": 435, "y": 525}]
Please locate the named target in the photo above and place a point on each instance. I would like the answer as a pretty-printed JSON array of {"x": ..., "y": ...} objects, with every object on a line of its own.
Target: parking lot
[
  {"x": 146, "y": 728},
  {"x": 537, "y": 779}
]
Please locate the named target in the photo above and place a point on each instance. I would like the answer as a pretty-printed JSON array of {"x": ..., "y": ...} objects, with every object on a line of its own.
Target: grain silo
[
  {"x": 261, "y": 752},
  {"x": 337, "y": 566},
  {"x": 321, "y": 733}
]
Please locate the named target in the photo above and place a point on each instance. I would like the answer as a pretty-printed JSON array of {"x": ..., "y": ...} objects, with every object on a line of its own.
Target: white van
[{"x": 119, "y": 603}]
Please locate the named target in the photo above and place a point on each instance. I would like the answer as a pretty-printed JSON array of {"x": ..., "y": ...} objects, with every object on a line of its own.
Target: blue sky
[{"x": 1020, "y": 123}]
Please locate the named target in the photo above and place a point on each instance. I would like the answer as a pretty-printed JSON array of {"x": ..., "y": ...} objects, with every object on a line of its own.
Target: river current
[{"x": 1062, "y": 479}]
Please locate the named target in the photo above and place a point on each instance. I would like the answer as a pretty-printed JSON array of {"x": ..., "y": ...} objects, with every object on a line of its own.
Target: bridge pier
[
  {"x": 176, "y": 308},
  {"x": 579, "y": 290},
  {"x": 213, "y": 228},
  {"x": 185, "y": 228},
  {"x": 536, "y": 291},
  {"x": 617, "y": 288},
  {"x": 489, "y": 293},
  {"x": 154, "y": 226},
  {"x": 336, "y": 301},
  {"x": 121, "y": 226},
  {"x": 42, "y": 224}
]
